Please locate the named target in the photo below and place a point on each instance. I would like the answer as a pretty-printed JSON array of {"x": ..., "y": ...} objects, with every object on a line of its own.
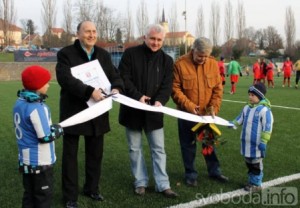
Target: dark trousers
[
  {"x": 93, "y": 160},
  {"x": 189, "y": 149},
  {"x": 255, "y": 171},
  {"x": 297, "y": 76},
  {"x": 38, "y": 189}
]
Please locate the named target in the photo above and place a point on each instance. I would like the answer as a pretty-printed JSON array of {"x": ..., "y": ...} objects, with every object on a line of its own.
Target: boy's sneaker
[{"x": 252, "y": 188}]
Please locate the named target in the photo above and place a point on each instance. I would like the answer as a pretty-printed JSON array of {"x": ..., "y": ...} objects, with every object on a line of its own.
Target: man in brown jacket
[{"x": 197, "y": 89}]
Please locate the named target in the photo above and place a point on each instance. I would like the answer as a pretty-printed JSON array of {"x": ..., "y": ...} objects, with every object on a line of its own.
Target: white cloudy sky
[{"x": 259, "y": 13}]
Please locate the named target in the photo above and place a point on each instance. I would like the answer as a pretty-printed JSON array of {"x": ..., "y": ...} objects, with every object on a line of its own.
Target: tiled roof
[
  {"x": 30, "y": 37},
  {"x": 57, "y": 30},
  {"x": 12, "y": 27},
  {"x": 178, "y": 34}
]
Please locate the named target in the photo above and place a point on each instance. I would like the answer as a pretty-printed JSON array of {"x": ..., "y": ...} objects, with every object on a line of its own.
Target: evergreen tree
[
  {"x": 30, "y": 28},
  {"x": 119, "y": 36}
]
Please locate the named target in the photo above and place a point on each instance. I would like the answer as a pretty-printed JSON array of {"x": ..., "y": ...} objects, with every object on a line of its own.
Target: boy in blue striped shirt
[
  {"x": 256, "y": 119},
  {"x": 35, "y": 136}
]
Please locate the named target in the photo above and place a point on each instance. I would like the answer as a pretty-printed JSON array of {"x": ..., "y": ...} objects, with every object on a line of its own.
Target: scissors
[{"x": 105, "y": 94}]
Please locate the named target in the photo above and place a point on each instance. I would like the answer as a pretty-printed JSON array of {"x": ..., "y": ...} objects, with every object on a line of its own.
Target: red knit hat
[{"x": 35, "y": 77}]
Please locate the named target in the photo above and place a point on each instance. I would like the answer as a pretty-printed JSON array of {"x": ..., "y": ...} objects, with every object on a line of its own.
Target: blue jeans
[
  {"x": 158, "y": 155},
  {"x": 188, "y": 147}
]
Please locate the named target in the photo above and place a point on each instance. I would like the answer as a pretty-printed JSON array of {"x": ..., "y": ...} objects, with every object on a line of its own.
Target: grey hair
[
  {"x": 154, "y": 27},
  {"x": 202, "y": 45}
]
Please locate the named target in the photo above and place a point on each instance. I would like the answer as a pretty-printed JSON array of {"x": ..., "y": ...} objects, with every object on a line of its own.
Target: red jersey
[
  {"x": 287, "y": 68},
  {"x": 222, "y": 69},
  {"x": 270, "y": 68},
  {"x": 256, "y": 70}
]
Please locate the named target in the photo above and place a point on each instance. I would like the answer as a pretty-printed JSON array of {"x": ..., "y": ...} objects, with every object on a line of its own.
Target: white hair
[{"x": 154, "y": 27}]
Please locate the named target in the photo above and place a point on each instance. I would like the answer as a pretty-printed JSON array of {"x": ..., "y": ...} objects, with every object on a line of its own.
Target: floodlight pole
[
  {"x": 185, "y": 44},
  {"x": 29, "y": 44}
]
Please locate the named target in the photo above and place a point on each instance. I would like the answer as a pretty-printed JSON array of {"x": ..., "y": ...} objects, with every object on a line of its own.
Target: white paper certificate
[{"x": 91, "y": 73}]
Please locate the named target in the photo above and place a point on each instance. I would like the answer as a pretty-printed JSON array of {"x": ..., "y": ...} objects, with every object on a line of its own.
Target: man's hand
[
  {"x": 210, "y": 111},
  {"x": 115, "y": 91},
  {"x": 97, "y": 95},
  {"x": 197, "y": 110},
  {"x": 145, "y": 99},
  {"x": 157, "y": 104}
]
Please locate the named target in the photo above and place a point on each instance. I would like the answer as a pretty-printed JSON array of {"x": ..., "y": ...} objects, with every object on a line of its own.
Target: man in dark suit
[
  {"x": 147, "y": 74},
  {"x": 73, "y": 97}
]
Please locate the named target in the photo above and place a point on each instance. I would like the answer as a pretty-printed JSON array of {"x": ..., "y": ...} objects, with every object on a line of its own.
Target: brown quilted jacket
[{"x": 197, "y": 85}]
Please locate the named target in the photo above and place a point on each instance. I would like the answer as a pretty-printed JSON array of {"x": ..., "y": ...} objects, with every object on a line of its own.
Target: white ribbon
[
  {"x": 89, "y": 113},
  {"x": 106, "y": 104}
]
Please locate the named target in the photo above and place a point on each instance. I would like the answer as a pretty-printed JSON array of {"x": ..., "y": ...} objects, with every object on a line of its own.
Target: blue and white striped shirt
[
  {"x": 255, "y": 120},
  {"x": 32, "y": 121}
]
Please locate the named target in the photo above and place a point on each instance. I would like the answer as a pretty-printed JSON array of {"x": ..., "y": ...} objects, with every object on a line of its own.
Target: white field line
[
  {"x": 273, "y": 106},
  {"x": 233, "y": 101},
  {"x": 215, "y": 198}
]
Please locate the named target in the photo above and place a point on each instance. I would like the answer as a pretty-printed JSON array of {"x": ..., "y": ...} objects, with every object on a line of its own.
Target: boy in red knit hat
[{"x": 35, "y": 137}]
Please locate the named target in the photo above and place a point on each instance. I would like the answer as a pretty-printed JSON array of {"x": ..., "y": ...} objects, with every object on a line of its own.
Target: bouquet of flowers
[{"x": 209, "y": 136}]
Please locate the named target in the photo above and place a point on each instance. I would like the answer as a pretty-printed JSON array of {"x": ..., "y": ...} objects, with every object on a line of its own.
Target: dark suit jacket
[
  {"x": 74, "y": 93},
  {"x": 145, "y": 73}
]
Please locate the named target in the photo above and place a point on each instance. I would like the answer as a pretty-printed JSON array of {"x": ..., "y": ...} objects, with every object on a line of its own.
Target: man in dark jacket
[
  {"x": 73, "y": 97},
  {"x": 147, "y": 74}
]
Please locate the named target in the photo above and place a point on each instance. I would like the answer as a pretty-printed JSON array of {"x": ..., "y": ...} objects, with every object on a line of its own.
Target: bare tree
[
  {"x": 241, "y": 20},
  {"x": 260, "y": 39},
  {"x": 85, "y": 10},
  {"x": 215, "y": 23},
  {"x": 157, "y": 13},
  {"x": 106, "y": 22},
  {"x": 67, "y": 22},
  {"x": 48, "y": 20},
  {"x": 273, "y": 39},
  {"x": 249, "y": 33},
  {"x": 67, "y": 16},
  {"x": 23, "y": 23},
  {"x": 48, "y": 14},
  {"x": 200, "y": 27},
  {"x": 101, "y": 19},
  {"x": 128, "y": 24},
  {"x": 142, "y": 17},
  {"x": 8, "y": 16},
  {"x": 290, "y": 29},
  {"x": 228, "y": 21},
  {"x": 173, "y": 23},
  {"x": 112, "y": 25}
]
